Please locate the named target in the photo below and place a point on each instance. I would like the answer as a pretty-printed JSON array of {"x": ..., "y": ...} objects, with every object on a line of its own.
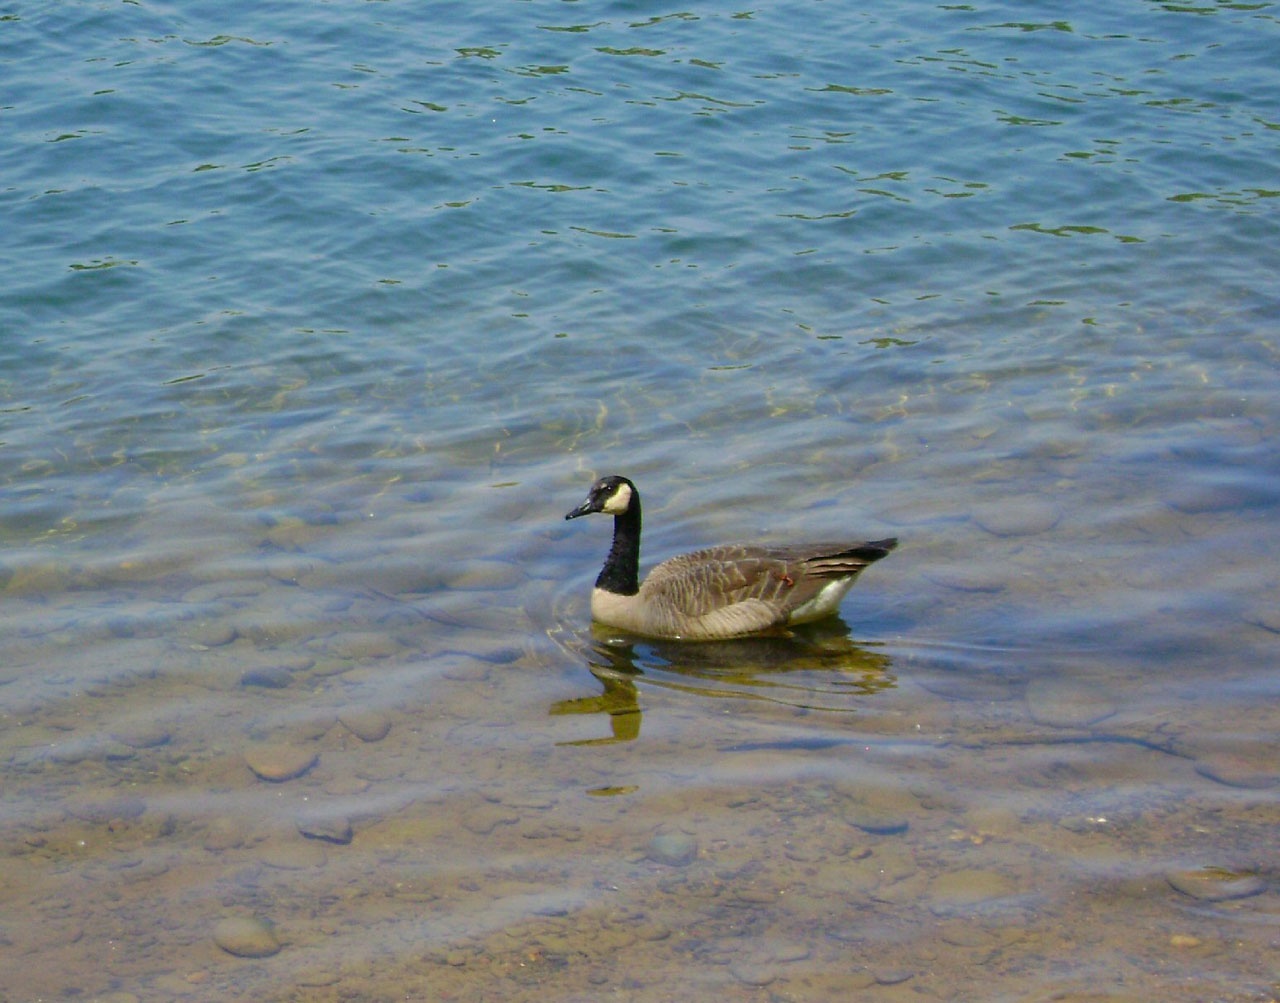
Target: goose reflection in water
[{"x": 814, "y": 667}]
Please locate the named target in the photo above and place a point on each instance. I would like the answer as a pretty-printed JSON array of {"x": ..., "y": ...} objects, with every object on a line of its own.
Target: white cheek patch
[{"x": 619, "y": 501}]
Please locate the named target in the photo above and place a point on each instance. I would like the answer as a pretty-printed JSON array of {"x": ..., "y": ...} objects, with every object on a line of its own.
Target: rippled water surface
[{"x": 316, "y": 320}]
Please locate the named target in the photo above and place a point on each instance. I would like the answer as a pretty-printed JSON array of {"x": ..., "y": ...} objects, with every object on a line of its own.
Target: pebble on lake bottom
[
  {"x": 486, "y": 818},
  {"x": 366, "y": 725},
  {"x": 331, "y": 829},
  {"x": 272, "y": 677},
  {"x": 978, "y": 686},
  {"x": 1018, "y": 517},
  {"x": 675, "y": 849},
  {"x": 883, "y": 813},
  {"x": 106, "y": 810},
  {"x": 246, "y": 937},
  {"x": 292, "y": 855},
  {"x": 362, "y": 645},
  {"x": 753, "y": 973},
  {"x": 1255, "y": 766},
  {"x": 224, "y": 834},
  {"x": 1215, "y": 884},
  {"x": 143, "y": 736},
  {"x": 967, "y": 890},
  {"x": 212, "y": 634},
  {"x": 1067, "y": 703},
  {"x": 1199, "y": 499},
  {"x": 276, "y": 762}
]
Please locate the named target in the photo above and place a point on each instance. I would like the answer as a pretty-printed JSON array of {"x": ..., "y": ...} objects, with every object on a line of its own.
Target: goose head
[{"x": 612, "y": 495}]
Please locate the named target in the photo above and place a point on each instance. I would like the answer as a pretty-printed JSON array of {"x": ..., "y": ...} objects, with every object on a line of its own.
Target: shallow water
[{"x": 318, "y": 319}]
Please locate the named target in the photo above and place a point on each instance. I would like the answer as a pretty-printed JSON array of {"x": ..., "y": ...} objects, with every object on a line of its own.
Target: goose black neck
[{"x": 621, "y": 572}]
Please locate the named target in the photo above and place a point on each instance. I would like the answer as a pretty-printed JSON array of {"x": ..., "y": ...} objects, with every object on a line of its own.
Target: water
[{"x": 318, "y": 318}]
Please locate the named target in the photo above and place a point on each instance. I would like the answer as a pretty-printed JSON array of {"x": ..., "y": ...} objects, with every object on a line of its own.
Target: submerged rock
[
  {"x": 1215, "y": 884},
  {"x": 486, "y": 818},
  {"x": 361, "y": 645},
  {"x": 1067, "y": 703},
  {"x": 224, "y": 834},
  {"x": 292, "y": 855},
  {"x": 486, "y": 576},
  {"x": 330, "y": 828},
  {"x": 211, "y": 634},
  {"x": 367, "y": 725},
  {"x": 272, "y": 677},
  {"x": 675, "y": 849},
  {"x": 143, "y": 735},
  {"x": 1018, "y": 517},
  {"x": 1221, "y": 496},
  {"x": 280, "y": 762},
  {"x": 1254, "y": 766},
  {"x": 246, "y": 937},
  {"x": 881, "y": 813},
  {"x": 105, "y": 810},
  {"x": 968, "y": 890},
  {"x": 965, "y": 684},
  {"x": 754, "y": 971}
]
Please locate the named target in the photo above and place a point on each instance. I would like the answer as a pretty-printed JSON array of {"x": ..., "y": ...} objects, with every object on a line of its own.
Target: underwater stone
[
  {"x": 224, "y": 834},
  {"x": 279, "y": 762},
  {"x": 968, "y": 889},
  {"x": 485, "y": 819},
  {"x": 1019, "y": 517},
  {"x": 367, "y": 725},
  {"x": 362, "y": 644},
  {"x": 1215, "y": 884},
  {"x": 1200, "y": 499},
  {"x": 272, "y": 677},
  {"x": 675, "y": 849},
  {"x": 246, "y": 937},
  {"x": 1067, "y": 703},
  {"x": 881, "y": 813},
  {"x": 211, "y": 634},
  {"x": 330, "y": 828},
  {"x": 1255, "y": 767},
  {"x": 293, "y": 855},
  {"x": 143, "y": 735},
  {"x": 753, "y": 972}
]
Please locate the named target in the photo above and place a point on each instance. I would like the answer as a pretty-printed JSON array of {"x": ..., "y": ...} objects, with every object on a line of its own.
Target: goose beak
[{"x": 586, "y": 508}]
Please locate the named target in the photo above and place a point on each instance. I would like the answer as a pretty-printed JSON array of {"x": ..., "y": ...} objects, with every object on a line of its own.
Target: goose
[{"x": 719, "y": 592}]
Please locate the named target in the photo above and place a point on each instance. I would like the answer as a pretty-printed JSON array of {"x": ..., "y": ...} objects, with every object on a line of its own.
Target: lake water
[{"x": 316, "y": 320}]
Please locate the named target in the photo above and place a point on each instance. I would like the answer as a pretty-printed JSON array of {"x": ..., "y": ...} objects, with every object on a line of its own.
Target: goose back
[{"x": 731, "y": 590}]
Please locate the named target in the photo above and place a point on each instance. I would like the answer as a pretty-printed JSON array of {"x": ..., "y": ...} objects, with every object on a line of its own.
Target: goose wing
[{"x": 733, "y": 589}]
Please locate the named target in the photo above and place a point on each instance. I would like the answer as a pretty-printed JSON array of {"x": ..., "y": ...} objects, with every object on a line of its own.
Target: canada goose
[{"x": 721, "y": 591}]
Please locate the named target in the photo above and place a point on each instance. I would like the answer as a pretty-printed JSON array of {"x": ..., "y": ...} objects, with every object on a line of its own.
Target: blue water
[{"x": 317, "y": 318}]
